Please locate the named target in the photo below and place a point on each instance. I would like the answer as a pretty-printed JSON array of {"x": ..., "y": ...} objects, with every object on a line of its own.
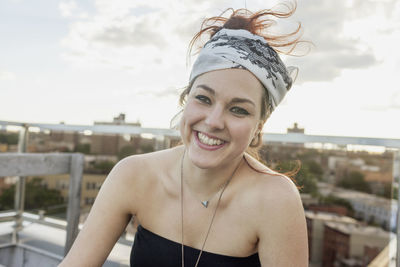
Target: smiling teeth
[{"x": 209, "y": 141}]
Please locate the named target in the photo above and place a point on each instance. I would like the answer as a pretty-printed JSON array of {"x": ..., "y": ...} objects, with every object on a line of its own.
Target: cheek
[
  {"x": 191, "y": 113},
  {"x": 243, "y": 131},
  {"x": 189, "y": 116}
]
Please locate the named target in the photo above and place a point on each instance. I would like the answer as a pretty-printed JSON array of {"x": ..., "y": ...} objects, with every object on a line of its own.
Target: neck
[{"x": 205, "y": 183}]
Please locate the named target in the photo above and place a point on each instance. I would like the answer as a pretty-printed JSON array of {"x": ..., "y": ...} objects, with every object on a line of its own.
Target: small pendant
[{"x": 205, "y": 203}]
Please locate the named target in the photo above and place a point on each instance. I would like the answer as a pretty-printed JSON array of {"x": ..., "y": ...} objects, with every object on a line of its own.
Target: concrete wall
[
  {"x": 317, "y": 240},
  {"x": 357, "y": 242},
  {"x": 14, "y": 256}
]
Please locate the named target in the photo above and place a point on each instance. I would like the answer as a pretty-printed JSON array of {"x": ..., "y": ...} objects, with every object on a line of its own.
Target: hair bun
[
  {"x": 257, "y": 23},
  {"x": 238, "y": 23}
]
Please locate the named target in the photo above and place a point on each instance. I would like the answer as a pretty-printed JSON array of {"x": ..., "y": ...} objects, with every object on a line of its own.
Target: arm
[
  {"x": 282, "y": 226},
  {"x": 107, "y": 219}
]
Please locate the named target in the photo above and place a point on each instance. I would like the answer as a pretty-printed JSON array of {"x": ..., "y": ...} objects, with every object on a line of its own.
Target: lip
[{"x": 207, "y": 147}]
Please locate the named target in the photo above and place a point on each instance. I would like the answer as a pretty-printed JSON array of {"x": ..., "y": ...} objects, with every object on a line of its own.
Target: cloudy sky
[{"x": 89, "y": 60}]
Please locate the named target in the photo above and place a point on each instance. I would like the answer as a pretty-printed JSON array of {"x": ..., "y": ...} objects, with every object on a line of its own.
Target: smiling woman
[
  {"x": 208, "y": 202},
  {"x": 222, "y": 116}
]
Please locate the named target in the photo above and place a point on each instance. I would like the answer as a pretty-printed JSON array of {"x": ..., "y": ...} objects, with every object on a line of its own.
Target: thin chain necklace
[
  {"x": 212, "y": 219},
  {"x": 205, "y": 203}
]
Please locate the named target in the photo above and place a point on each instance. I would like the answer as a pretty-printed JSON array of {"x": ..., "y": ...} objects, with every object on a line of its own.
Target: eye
[
  {"x": 203, "y": 99},
  {"x": 239, "y": 111}
]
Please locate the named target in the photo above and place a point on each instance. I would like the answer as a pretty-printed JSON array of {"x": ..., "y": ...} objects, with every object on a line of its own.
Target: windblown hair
[{"x": 257, "y": 23}]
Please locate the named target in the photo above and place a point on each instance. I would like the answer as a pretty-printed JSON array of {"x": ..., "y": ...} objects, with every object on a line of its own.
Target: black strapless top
[{"x": 152, "y": 250}]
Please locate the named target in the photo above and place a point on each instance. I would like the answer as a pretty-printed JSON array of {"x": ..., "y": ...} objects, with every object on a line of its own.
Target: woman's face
[{"x": 221, "y": 116}]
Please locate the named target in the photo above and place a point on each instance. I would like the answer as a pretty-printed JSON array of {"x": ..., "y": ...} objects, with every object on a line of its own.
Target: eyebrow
[{"x": 234, "y": 100}]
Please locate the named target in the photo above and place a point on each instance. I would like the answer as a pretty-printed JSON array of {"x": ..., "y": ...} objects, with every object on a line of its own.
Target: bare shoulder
[
  {"x": 276, "y": 193},
  {"x": 119, "y": 198},
  {"x": 280, "y": 220},
  {"x": 273, "y": 192},
  {"x": 136, "y": 168},
  {"x": 270, "y": 184}
]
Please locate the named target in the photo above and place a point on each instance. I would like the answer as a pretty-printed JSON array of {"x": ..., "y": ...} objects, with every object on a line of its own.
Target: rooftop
[
  {"x": 41, "y": 242},
  {"x": 371, "y": 231},
  {"x": 326, "y": 216},
  {"x": 352, "y": 195}
]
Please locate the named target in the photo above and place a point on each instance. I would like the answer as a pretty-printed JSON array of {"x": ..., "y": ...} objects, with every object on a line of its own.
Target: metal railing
[{"x": 28, "y": 164}]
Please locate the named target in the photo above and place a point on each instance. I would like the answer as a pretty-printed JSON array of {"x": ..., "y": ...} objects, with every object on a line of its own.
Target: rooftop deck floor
[{"x": 44, "y": 245}]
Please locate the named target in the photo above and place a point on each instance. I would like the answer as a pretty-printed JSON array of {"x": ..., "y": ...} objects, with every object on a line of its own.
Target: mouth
[{"x": 208, "y": 141}]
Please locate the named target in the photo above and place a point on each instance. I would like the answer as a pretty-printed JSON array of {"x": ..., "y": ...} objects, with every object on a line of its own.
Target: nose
[{"x": 215, "y": 118}]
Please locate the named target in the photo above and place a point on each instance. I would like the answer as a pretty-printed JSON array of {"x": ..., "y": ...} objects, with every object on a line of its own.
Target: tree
[
  {"x": 387, "y": 190},
  {"x": 301, "y": 174},
  {"x": 146, "y": 148},
  {"x": 104, "y": 166},
  {"x": 355, "y": 181},
  {"x": 82, "y": 148},
  {"x": 314, "y": 168},
  {"x": 332, "y": 200},
  {"x": 125, "y": 152},
  {"x": 9, "y": 138},
  {"x": 395, "y": 193},
  {"x": 36, "y": 196}
]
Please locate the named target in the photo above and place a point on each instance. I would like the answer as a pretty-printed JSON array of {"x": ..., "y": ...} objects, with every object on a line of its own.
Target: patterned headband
[{"x": 241, "y": 49}]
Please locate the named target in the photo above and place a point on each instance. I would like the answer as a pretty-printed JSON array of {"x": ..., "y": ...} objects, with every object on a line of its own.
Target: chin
[
  {"x": 202, "y": 161},
  {"x": 210, "y": 159}
]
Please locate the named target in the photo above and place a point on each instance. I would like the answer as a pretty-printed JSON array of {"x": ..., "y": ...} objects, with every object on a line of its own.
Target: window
[
  {"x": 90, "y": 186},
  {"x": 89, "y": 200}
]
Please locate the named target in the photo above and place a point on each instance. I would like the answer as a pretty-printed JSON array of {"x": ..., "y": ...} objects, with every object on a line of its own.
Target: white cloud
[
  {"x": 70, "y": 9},
  {"x": 114, "y": 36},
  {"x": 390, "y": 102},
  {"x": 67, "y": 8},
  {"x": 337, "y": 28},
  {"x": 7, "y": 75}
]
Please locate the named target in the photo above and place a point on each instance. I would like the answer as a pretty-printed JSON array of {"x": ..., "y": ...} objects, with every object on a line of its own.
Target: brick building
[
  {"x": 315, "y": 229},
  {"x": 352, "y": 244}
]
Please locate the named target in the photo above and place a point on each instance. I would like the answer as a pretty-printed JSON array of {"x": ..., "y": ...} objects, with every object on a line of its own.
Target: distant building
[
  {"x": 371, "y": 208},
  {"x": 367, "y": 207},
  {"x": 308, "y": 200},
  {"x": 315, "y": 228},
  {"x": 330, "y": 208},
  {"x": 91, "y": 184},
  {"x": 377, "y": 169},
  {"x": 295, "y": 129},
  {"x": 89, "y": 143},
  {"x": 3, "y": 148},
  {"x": 119, "y": 120},
  {"x": 352, "y": 244}
]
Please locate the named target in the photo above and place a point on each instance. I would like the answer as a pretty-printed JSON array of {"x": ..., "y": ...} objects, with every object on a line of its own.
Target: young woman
[{"x": 208, "y": 202}]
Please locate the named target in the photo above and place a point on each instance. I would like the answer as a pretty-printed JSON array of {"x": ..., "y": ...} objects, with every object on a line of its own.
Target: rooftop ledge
[{"x": 41, "y": 243}]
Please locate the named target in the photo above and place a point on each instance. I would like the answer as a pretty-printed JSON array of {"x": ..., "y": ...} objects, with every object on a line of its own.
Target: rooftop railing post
[
  {"x": 396, "y": 178},
  {"x": 167, "y": 142},
  {"x": 160, "y": 142},
  {"x": 74, "y": 199},
  {"x": 20, "y": 186}
]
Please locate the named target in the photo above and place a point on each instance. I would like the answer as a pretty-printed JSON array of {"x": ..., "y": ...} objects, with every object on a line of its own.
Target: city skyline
[{"x": 85, "y": 61}]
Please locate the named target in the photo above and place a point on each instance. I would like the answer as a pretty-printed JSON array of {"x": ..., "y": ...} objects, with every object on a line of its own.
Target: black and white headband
[{"x": 241, "y": 49}]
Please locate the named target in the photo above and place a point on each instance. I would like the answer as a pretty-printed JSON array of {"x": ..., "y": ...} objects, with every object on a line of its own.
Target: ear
[{"x": 260, "y": 126}]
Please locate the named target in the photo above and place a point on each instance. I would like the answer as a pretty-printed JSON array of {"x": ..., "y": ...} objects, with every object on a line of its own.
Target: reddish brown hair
[{"x": 257, "y": 23}]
